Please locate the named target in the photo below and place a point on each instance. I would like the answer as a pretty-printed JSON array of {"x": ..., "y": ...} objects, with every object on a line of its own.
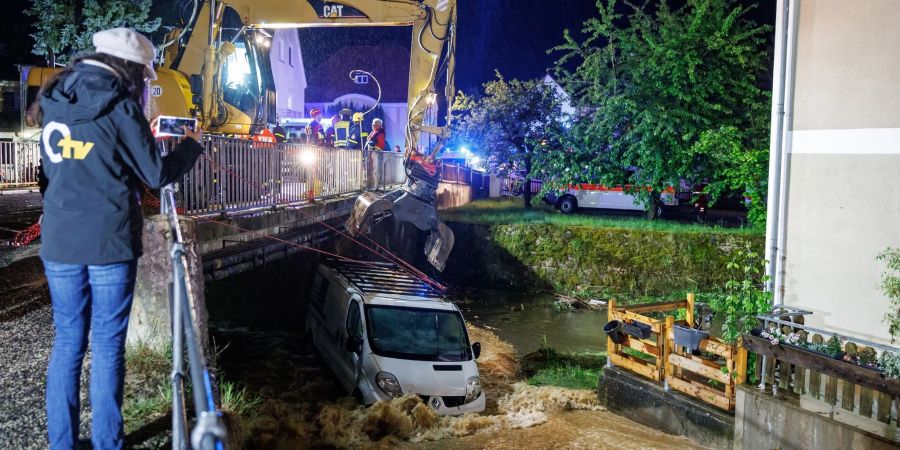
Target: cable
[{"x": 189, "y": 24}]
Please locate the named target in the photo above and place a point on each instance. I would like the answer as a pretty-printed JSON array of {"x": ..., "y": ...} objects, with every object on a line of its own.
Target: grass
[
  {"x": 236, "y": 400},
  {"x": 148, "y": 392},
  {"x": 511, "y": 211},
  {"x": 546, "y": 367}
]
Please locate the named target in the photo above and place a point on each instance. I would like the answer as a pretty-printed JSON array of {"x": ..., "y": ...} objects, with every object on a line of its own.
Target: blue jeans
[{"x": 96, "y": 299}]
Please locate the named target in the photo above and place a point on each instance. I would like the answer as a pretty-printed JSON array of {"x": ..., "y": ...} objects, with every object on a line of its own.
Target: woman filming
[{"x": 97, "y": 149}]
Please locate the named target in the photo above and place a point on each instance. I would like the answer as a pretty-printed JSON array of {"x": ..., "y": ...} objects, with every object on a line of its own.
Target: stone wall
[{"x": 617, "y": 261}]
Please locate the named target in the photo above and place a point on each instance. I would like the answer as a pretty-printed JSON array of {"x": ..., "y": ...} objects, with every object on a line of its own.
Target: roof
[
  {"x": 331, "y": 79},
  {"x": 379, "y": 278}
]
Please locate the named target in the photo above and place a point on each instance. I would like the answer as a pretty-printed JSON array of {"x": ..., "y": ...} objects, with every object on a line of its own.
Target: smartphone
[{"x": 174, "y": 126}]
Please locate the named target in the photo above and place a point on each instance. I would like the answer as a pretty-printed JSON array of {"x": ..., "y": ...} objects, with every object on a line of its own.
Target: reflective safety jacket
[{"x": 343, "y": 137}]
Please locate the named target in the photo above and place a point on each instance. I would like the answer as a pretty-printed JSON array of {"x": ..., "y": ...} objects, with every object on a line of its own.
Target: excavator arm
[{"x": 432, "y": 55}]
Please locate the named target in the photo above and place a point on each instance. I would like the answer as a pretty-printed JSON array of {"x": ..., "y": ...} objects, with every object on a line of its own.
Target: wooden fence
[
  {"x": 844, "y": 391},
  {"x": 710, "y": 376}
]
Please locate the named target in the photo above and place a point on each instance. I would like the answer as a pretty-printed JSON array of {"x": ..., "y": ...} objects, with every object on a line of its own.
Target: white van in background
[{"x": 385, "y": 333}]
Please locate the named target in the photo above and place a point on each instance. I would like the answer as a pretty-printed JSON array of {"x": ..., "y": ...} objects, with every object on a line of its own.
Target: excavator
[{"x": 193, "y": 81}]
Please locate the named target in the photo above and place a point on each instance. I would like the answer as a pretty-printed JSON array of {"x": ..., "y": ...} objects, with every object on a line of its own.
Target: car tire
[{"x": 568, "y": 205}]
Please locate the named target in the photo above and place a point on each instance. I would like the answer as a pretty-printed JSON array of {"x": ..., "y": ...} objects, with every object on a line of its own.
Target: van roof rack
[{"x": 383, "y": 278}]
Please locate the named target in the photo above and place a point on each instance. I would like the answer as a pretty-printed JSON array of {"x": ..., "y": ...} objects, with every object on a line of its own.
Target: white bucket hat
[{"x": 129, "y": 45}]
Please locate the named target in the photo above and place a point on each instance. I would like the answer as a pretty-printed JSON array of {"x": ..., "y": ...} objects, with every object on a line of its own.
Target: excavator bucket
[
  {"x": 403, "y": 206},
  {"x": 367, "y": 206},
  {"x": 438, "y": 246}
]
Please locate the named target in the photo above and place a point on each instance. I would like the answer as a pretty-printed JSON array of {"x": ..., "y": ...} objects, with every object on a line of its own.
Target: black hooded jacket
[{"x": 96, "y": 150}]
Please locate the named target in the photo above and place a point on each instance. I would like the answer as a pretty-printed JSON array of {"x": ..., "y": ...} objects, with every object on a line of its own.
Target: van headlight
[
  {"x": 388, "y": 384},
  {"x": 473, "y": 388}
]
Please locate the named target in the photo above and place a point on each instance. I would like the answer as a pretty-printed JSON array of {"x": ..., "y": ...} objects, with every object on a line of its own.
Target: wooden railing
[
  {"x": 711, "y": 378},
  {"x": 844, "y": 391}
]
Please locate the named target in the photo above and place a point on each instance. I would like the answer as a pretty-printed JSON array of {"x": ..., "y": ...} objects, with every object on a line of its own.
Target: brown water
[
  {"x": 303, "y": 408},
  {"x": 525, "y": 320}
]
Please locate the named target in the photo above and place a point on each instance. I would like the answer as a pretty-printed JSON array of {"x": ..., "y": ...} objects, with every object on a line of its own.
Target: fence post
[
  {"x": 667, "y": 348},
  {"x": 690, "y": 310},
  {"x": 610, "y": 345}
]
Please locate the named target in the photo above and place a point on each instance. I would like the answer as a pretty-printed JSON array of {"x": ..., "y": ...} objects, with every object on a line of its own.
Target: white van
[{"x": 385, "y": 333}]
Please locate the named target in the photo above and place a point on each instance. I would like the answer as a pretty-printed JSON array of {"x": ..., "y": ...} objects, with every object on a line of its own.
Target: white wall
[
  {"x": 287, "y": 70},
  {"x": 843, "y": 204}
]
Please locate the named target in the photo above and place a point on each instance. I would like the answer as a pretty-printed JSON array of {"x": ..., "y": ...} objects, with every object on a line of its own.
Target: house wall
[
  {"x": 288, "y": 72},
  {"x": 843, "y": 202}
]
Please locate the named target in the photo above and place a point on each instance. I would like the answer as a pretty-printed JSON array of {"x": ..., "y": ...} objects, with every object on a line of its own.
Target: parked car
[
  {"x": 621, "y": 198},
  {"x": 385, "y": 333}
]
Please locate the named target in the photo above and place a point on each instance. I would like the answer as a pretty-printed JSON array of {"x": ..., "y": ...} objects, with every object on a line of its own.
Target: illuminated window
[{"x": 361, "y": 79}]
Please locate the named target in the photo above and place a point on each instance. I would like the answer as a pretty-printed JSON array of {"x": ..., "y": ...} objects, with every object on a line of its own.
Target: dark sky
[{"x": 509, "y": 35}]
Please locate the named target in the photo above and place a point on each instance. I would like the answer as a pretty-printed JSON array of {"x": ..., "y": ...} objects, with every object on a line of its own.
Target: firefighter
[
  {"x": 376, "y": 140},
  {"x": 341, "y": 128},
  {"x": 356, "y": 130},
  {"x": 329, "y": 132},
  {"x": 280, "y": 133},
  {"x": 314, "y": 131}
]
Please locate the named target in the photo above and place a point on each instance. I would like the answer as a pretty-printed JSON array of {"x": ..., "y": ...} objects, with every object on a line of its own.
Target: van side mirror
[
  {"x": 354, "y": 344},
  {"x": 476, "y": 349}
]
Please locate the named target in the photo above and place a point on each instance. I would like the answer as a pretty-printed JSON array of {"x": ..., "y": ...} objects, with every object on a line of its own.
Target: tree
[
  {"x": 64, "y": 27},
  {"x": 515, "y": 124},
  {"x": 667, "y": 95}
]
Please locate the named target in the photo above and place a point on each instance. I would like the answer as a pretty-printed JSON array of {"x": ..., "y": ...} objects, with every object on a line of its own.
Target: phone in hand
[{"x": 173, "y": 126}]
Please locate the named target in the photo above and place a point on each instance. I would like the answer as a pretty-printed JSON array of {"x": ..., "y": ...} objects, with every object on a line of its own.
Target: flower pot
[
  {"x": 637, "y": 329},
  {"x": 613, "y": 329},
  {"x": 689, "y": 337}
]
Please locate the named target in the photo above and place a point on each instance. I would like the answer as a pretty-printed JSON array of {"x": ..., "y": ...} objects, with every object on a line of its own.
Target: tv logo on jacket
[{"x": 69, "y": 148}]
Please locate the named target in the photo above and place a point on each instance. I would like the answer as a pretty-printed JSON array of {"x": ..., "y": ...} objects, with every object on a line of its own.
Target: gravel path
[
  {"x": 26, "y": 339},
  {"x": 27, "y": 342}
]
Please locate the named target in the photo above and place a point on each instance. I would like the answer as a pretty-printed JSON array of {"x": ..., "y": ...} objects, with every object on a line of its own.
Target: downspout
[
  {"x": 777, "y": 122},
  {"x": 786, "y": 143}
]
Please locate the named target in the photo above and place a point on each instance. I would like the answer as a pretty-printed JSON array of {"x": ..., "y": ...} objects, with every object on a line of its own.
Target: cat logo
[
  {"x": 327, "y": 9},
  {"x": 333, "y": 11},
  {"x": 71, "y": 149}
]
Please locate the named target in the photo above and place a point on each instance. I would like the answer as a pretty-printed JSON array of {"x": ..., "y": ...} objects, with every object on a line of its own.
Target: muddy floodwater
[
  {"x": 525, "y": 320},
  {"x": 302, "y": 407}
]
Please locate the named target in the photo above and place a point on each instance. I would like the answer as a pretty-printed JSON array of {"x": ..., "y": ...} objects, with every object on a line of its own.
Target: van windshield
[{"x": 419, "y": 334}]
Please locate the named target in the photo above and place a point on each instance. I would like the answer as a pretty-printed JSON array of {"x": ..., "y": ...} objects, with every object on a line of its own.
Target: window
[
  {"x": 354, "y": 322},
  {"x": 361, "y": 79},
  {"x": 417, "y": 334},
  {"x": 290, "y": 56}
]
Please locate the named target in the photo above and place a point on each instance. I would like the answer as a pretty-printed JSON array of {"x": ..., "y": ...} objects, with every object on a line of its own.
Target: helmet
[{"x": 358, "y": 117}]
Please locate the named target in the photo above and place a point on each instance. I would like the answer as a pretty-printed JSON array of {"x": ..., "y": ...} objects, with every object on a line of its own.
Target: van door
[
  {"x": 353, "y": 331},
  {"x": 329, "y": 341}
]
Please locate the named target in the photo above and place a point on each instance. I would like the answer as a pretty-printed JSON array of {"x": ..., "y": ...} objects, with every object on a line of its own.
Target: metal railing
[
  {"x": 386, "y": 169},
  {"x": 19, "y": 162},
  {"x": 514, "y": 186},
  {"x": 237, "y": 175},
  {"x": 209, "y": 431}
]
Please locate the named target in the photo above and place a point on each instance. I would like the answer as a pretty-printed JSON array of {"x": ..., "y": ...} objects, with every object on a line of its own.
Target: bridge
[
  {"x": 244, "y": 204},
  {"x": 252, "y": 200}
]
